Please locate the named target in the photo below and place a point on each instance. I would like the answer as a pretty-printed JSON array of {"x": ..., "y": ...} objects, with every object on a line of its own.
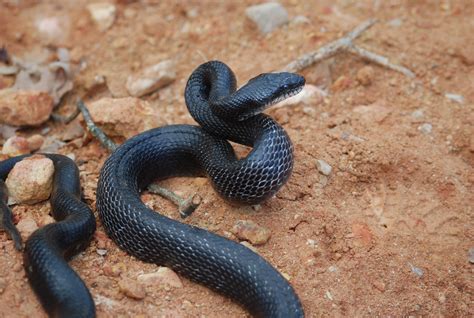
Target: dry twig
[
  {"x": 95, "y": 131},
  {"x": 185, "y": 206},
  {"x": 345, "y": 44},
  {"x": 66, "y": 119}
]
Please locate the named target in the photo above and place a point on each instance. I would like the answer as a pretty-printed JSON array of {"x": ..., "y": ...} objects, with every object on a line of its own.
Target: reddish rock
[
  {"x": 35, "y": 142},
  {"x": 30, "y": 180},
  {"x": 114, "y": 270},
  {"x": 164, "y": 276},
  {"x": 132, "y": 288},
  {"x": 365, "y": 75},
  {"x": 123, "y": 117},
  {"x": 251, "y": 231},
  {"x": 27, "y": 226},
  {"x": 15, "y": 146},
  {"x": 24, "y": 108},
  {"x": 379, "y": 285},
  {"x": 362, "y": 233}
]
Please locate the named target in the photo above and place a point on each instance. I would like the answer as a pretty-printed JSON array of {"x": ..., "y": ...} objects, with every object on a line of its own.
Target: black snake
[{"x": 224, "y": 113}]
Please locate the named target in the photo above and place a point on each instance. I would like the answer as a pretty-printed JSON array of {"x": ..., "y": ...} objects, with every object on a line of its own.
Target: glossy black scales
[
  {"x": 58, "y": 287},
  {"x": 184, "y": 150}
]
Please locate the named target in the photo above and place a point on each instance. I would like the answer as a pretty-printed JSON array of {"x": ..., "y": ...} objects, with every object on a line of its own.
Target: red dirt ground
[{"x": 397, "y": 201}]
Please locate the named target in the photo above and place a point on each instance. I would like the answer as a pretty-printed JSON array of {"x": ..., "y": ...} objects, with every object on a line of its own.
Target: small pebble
[
  {"x": 323, "y": 167},
  {"x": 251, "y": 231},
  {"x": 132, "y": 288},
  {"x": 425, "y": 128},
  {"x": 267, "y": 16},
  {"x": 103, "y": 14},
  {"x": 328, "y": 295},
  {"x": 15, "y": 146},
  {"x": 332, "y": 269},
  {"x": 300, "y": 19},
  {"x": 455, "y": 98},
  {"x": 379, "y": 285},
  {"x": 163, "y": 276},
  {"x": 471, "y": 255},
  {"x": 52, "y": 145},
  {"x": 365, "y": 75},
  {"x": 101, "y": 252},
  {"x": 35, "y": 142},
  {"x": 395, "y": 22},
  {"x": 3, "y": 285},
  {"x": 287, "y": 276},
  {"x": 114, "y": 270},
  {"x": 416, "y": 270},
  {"x": 17, "y": 267},
  {"x": 417, "y": 114},
  {"x": 27, "y": 226}
]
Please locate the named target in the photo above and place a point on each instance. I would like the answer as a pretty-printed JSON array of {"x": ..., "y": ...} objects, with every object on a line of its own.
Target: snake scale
[{"x": 224, "y": 113}]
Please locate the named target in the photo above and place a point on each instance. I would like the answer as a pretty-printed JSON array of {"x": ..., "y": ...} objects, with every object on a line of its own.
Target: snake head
[
  {"x": 266, "y": 90},
  {"x": 257, "y": 95}
]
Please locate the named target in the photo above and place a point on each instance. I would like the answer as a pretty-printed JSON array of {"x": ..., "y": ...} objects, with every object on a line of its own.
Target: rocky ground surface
[{"x": 377, "y": 218}]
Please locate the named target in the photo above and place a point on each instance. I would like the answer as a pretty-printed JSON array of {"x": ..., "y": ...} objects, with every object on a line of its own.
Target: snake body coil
[
  {"x": 59, "y": 289},
  {"x": 184, "y": 150},
  {"x": 179, "y": 150}
]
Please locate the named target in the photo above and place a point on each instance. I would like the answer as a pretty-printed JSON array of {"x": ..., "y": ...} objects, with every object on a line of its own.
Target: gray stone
[
  {"x": 455, "y": 98},
  {"x": 471, "y": 255},
  {"x": 151, "y": 78},
  {"x": 395, "y": 22},
  {"x": 425, "y": 128},
  {"x": 417, "y": 114},
  {"x": 323, "y": 167},
  {"x": 416, "y": 270},
  {"x": 267, "y": 16},
  {"x": 101, "y": 251},
  {"x": 300, "y": 19},
  {"x": 103, "y": 14}
]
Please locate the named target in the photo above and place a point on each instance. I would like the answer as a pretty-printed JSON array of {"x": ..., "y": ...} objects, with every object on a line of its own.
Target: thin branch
[
  {"x": 95, "y": 131},
  {"x": 185, "y": 206},
  {"x": 66, "y": 119},
  {"x": 345, "y": 44},
  {"x": 381, "y": 60}
]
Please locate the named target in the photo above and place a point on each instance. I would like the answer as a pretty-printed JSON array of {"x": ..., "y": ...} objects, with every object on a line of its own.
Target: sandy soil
[{"x": 386, "y": 234}]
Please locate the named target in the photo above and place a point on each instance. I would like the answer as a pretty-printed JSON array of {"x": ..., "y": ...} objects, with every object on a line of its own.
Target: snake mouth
[
  {"x": 286, "y": 95},
  {"x": 258, "y": 110}
]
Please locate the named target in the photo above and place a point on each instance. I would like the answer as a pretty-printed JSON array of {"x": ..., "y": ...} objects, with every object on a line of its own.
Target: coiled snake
[{"x": 224, "y": 113}]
